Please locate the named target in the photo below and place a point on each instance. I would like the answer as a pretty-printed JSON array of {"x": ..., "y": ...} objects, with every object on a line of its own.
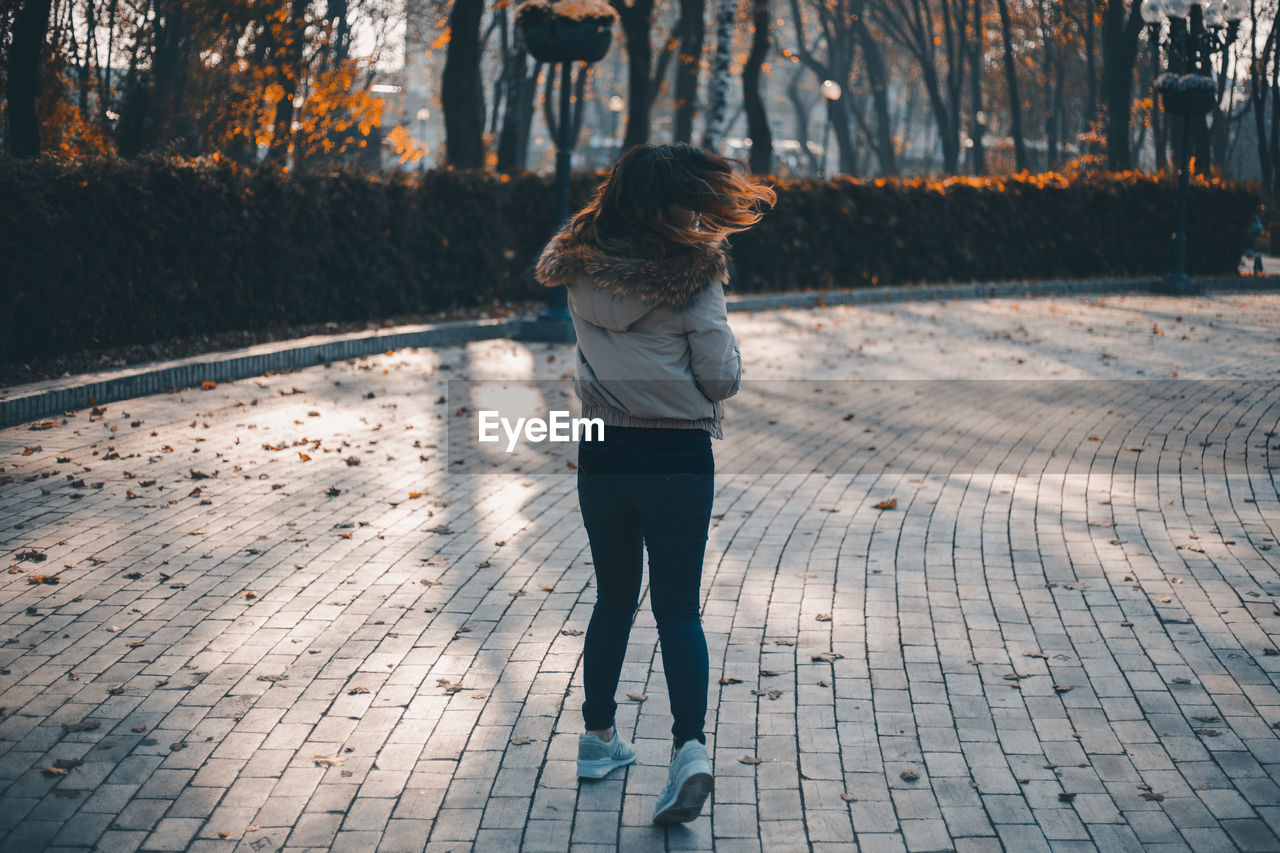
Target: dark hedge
[{"x": 116, "y": 253}]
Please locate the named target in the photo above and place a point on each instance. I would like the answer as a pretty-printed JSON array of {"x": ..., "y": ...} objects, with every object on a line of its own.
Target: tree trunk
[
  {"x": 635, "y": 30},
  {"x": 757, "y": 120},
  {"x": 1011, "y": 79},
  {"x": 513, "y": 138},
  {"x": 801, "y": 110},
  {"x": 838, "y": 115},
  {"x": 23, "y": 84},
  {"x": 1258, "y": 91},
  {"x": 690, "y": 58},
  {"x": 1120, "y": 28},
  {"x": 978, "y": 154},
  {"x": 718, "y": 95},
  {"x": 462, "y": 93}
]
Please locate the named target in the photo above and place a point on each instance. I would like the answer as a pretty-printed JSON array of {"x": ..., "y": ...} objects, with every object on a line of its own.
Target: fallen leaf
[
  {"x": 82, "y": 726},
  {"x": 749, "y": 759},
  {"x": 909, "y": 775},
  {"x": 357, "y": 691},
  {"x": 730, "y": 680},
  {"x": 891, "y": 503},
  {"x": 273, "y": 678},
  {"x": 53, "y": 771},
  {"x": 328, "y": 760},
  {"x": 1066, "y": 796},
  {"x": 848, "y": 798},
  {"x": 523, "y": 740},
  {"x": 1062, "y": 688},
  {"x": 823, "y": 617},
  {"x": 637, "y": 697}
]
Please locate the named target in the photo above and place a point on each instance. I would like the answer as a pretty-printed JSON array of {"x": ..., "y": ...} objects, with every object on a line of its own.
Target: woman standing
[{"x": 645, "y": 263}]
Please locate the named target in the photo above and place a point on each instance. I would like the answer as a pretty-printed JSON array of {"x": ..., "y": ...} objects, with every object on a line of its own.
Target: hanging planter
[
  {"x": 568, "y": 30},
  {"x": 1188, "y": 94}
]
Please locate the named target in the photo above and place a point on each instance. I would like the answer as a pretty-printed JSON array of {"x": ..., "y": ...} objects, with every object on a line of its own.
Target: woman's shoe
[
  {"x": 596, "y": 758},
  {"x": 689, "y": 783}
]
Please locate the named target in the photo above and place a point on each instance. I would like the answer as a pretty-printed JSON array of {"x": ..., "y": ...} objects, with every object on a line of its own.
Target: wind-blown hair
[{"x": 630, "y": 211}]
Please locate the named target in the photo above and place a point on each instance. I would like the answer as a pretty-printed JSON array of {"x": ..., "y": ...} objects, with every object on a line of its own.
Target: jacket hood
[{"x": 672, "y": 280}]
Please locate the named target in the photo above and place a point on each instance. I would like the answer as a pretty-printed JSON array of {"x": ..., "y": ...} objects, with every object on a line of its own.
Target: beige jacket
[{"x": 654, "y": 344}]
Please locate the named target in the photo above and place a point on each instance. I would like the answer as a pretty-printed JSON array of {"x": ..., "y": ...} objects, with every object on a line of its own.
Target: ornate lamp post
[
  {"x": 830, "y": 91},
  {"x": 564, "y": 32},
  {"x": 1189, "y": 88}
]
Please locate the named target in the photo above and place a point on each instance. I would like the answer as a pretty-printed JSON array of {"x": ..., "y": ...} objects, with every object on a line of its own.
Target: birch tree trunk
[{"x": 719, "y": 83}]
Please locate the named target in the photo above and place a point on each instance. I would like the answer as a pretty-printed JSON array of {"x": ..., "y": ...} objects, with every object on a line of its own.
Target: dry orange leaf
[{"x": 891, "y": 503}]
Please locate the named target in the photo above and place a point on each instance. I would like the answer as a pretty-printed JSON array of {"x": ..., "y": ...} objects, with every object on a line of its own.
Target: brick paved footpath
[{"x": 1061, "y": 637}]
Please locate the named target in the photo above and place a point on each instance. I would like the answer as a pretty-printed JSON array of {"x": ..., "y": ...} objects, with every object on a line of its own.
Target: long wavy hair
[{"x": 631, "y": 210}]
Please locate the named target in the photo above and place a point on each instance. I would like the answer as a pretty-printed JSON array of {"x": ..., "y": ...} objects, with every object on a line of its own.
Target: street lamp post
[
  {"x": 423, "y": 115},
  {"x": 563, "y": 34},
  {"x": 830, "y": 91},
  {"x": 1197, "y": 31},
  {"x": 616, "y": 105}
]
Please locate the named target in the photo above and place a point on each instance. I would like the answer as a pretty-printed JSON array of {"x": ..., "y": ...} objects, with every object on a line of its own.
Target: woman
[{"x": 644, "y": 264}]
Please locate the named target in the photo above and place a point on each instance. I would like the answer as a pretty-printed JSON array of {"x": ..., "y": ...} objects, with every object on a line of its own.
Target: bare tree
[
  {"x": 934, "y": 33},
  {"x": 1011, "y": 82}
]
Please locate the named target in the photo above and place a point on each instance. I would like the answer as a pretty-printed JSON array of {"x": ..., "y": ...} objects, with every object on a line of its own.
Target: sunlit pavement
[{"x": 942, "y": 613}]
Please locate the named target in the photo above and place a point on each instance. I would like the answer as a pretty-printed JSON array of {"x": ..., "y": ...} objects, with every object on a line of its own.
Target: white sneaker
[
  {"x": 596, "y": 758},
  {"x": 689, "y": 783}
]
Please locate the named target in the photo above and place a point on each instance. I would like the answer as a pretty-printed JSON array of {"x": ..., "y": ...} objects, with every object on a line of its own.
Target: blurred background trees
[{"x": 795, "y": 87}]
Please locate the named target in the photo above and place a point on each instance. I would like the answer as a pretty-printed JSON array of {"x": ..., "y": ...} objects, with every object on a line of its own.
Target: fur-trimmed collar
[{"x": 672, "y": 280}]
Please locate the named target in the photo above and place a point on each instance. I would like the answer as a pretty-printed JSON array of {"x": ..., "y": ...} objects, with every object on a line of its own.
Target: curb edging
[{"x": 49, "y": 399}]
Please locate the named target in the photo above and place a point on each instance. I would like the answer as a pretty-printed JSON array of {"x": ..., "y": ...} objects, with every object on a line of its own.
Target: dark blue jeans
[{"x": 647, "y": 488}]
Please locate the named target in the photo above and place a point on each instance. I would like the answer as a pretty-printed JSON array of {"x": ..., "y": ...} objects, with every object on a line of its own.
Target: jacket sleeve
[{"x": 714, "y": 355}]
